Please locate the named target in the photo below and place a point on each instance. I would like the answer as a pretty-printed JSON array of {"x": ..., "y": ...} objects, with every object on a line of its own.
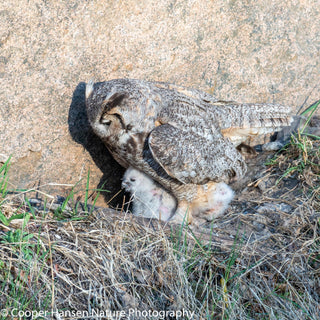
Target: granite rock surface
[{"x": 241, "y": 50}]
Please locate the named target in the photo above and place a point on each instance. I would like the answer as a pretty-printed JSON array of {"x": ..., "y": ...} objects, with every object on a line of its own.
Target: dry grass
[{"x": 260, "y": 261}]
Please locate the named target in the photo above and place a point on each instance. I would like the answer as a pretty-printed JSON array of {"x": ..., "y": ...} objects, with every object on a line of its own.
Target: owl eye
[
  {"x": 107, "y": 122},
  {"x": 132, "y": 179}
]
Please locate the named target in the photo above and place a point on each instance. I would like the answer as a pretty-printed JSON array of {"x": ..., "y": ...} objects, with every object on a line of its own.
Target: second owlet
[{"x": 184, "y": 139}]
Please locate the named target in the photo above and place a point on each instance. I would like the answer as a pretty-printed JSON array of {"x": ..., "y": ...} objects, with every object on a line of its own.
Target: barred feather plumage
[{"x": 182, "y": 138}]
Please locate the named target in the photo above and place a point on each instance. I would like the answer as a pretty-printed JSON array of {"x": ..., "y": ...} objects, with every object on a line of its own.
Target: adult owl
[{"x": 184, "y": 139}]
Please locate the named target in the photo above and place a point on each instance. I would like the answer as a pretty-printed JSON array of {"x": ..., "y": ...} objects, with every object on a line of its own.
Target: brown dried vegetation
[{"x": 260, "y": 261}]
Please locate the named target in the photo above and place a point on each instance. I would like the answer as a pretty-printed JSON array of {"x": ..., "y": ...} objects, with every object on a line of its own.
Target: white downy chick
[{"x": 149, "y": 199}]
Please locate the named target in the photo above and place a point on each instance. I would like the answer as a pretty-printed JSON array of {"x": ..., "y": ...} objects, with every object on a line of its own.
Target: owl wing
[
  {"x": 196, "y": 137},
  {"x": 239, "y": 122},
  {"x": 193, "y": 158},
  {"x": 243, "y": 122}
]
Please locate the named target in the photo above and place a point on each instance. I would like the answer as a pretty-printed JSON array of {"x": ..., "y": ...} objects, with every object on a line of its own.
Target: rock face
[{"x": 243, "y": 51}]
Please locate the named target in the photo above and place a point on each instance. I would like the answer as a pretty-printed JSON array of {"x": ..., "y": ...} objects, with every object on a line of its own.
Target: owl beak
[{"x": 125, "y": 185}]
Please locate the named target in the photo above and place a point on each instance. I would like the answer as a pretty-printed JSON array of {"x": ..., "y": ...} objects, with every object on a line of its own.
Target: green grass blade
[
  {"x": 312, "y": 109},
  {"x": 31, "y": 208},
  {"x": 311, "y": 136},
  {"x": 87, "y": 192},
  {"x": 4, "y": 177},
  {"x": 16, "y": 216},
  {"x": 3, "y": 219}
]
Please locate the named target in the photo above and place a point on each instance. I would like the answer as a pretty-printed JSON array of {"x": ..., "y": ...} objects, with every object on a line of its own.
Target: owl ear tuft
[
  {"x": 89, "y": 88},
  {"x": 114, "y": 99}
]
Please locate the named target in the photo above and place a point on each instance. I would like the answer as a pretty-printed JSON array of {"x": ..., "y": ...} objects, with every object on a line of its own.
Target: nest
[{"x": 260, "y": 260}]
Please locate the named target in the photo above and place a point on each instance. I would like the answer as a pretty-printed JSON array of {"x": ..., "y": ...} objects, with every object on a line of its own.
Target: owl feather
[{"x": 182, "y": 138}]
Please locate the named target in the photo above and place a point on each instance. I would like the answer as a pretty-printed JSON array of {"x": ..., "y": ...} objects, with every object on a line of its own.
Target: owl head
[
  {"x": 224, "y": 192},
  {"x": 104, "y": 105},
  {"x": 119, "y": 106},
  {"x": 135, "y": 181}
]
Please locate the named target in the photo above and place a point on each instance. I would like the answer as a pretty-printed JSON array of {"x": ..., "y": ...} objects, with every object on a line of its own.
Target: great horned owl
[
  {"x": 182, "y": 138},
  {"x": 149, "y": 199}
]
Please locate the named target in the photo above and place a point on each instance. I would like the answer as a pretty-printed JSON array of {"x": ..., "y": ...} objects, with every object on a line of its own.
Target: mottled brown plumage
[{"x": 182, "y": 138}]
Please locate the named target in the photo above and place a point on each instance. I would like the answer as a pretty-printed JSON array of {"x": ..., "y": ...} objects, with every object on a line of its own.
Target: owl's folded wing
[{"x": 191, "y": 158}]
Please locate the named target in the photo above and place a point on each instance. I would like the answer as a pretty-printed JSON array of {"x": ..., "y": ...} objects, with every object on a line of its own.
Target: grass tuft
[
  {"x": 301, "y": 157},
  {"x": 259, "y": 261}
]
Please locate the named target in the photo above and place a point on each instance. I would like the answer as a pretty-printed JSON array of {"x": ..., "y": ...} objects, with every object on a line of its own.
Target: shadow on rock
[{"x": 82, "y": 133}]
